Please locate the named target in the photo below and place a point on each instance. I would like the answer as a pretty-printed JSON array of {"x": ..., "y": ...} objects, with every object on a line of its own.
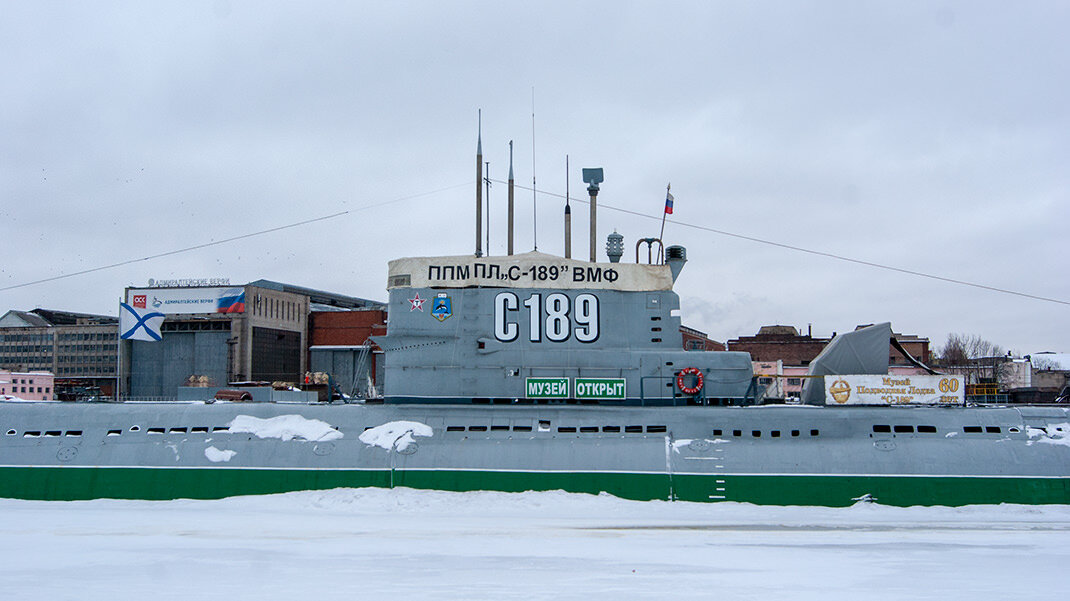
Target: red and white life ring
[{"x": 689, "y": 371}]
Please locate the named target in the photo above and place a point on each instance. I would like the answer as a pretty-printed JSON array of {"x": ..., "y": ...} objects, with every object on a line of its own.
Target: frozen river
[{"x": 406, "y": 544}]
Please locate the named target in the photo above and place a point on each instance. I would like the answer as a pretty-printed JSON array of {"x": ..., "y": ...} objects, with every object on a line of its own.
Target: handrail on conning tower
[{"x": 650, "y": 250}]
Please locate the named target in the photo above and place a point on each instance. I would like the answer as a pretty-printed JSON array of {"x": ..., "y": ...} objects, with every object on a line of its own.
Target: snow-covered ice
[{"x": 407, "y": 544}]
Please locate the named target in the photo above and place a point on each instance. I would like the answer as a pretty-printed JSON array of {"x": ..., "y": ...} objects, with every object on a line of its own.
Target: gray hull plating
[{"x": 769, "y": 440}]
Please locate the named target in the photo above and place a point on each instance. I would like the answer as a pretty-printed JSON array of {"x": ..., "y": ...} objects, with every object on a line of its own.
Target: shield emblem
[{"x": 441, "y": 308}]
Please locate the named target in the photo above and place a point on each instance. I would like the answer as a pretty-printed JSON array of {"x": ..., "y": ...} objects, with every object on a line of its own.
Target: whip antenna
[{"x": 534, "y": 200}]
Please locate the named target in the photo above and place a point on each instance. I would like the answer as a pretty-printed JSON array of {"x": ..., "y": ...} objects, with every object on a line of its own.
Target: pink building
[{"x": 31, "y": 385}]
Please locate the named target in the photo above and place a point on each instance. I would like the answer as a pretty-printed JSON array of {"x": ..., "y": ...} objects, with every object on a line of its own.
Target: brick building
[
  {"x": 780, "y": 343},
  {"x": 341, "y": 346},
  {"x": 788, "y": 345},
  {"x": 695, "y": 340}
]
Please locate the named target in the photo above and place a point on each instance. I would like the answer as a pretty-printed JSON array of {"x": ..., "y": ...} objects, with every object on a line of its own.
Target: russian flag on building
[
  {"x": 668, "y": 203},
  {"x": 232, "y": 300}
]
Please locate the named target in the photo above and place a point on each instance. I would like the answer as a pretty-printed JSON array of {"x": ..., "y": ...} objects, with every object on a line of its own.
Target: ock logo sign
[{"x": 139, "y": 301}]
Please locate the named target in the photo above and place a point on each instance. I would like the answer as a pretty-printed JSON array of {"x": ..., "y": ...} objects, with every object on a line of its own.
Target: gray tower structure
[{"x": 540, "y": 328}]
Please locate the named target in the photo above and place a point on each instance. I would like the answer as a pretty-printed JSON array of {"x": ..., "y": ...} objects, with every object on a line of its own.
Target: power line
[
  {"x": 232, "y": 239},
  {"x": 581, "y": 200},
  {"x": 818, "y": 252}
]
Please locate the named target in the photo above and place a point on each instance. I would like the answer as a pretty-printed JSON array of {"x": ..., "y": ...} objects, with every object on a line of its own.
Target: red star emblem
[{"x": 417, "y": 303}]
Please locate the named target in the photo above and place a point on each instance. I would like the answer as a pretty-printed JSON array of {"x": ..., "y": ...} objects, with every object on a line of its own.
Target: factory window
[
  {"x": 756, "y": 433},
  {"x": 477, "y": 428},
  {"x": 115, "y": 432},
  {"x": 566, "y": 429},
  {"x": 927, "y": 429},
  {"x": 611, "y": 428},
  {"x": 992, "y": 429},
  {"x": 633, "y": 429},
  {"x": 31, "y": 434},
  {"x": 521, "y": 428},
  {"x": 656, "y": 429},
  {"x": 716, "y": 432},
  {"x": 882, "y": 428},
  {"x": 156, "y": 430},
  {"x": 794, "y": 381},
  {"x": 455, "y": 428},
  {"x": 588, "y": 429},
  {"x": 737, "y": 432},
  {"x": 794, "y": 432},
  {"x": 220, "y": 429},
  {"x": 775, "y": 433},
  {"x": 499, "y": 428},
  {"x": 199, "y": 429},
  {"x": 903, "y": 429},
  {"x": 54, "y": 433},
  {"x": 178, "y": 430},
  {"x": 74, "y": 432},
  {"x": 971, "y": 429},
  {"x": 815, "y": 432}
]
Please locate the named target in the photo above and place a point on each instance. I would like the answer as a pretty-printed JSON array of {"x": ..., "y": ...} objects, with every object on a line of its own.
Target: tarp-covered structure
[{"x": 863, "y": 351}]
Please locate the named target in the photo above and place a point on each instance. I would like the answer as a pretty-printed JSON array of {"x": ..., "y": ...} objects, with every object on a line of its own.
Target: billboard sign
[
  {"x": 183, "y": 301},
  {"x": 894, "y": 390}
]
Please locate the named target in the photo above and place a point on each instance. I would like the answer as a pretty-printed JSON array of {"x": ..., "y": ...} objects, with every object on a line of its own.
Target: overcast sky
[{"x": 929, "y": 136}]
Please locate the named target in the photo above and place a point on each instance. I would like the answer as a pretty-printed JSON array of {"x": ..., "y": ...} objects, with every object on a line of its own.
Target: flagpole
[{"x": 664, "y": 212}]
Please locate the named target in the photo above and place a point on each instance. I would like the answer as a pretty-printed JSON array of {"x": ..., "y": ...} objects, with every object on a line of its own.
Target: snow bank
[
  {"x": 216, "y": 455},
  {"x": 285, "y": 427},
  {"x": 399, "y": 432}
]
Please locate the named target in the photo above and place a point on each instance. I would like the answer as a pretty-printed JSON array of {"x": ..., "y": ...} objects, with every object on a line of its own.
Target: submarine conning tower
[{"x": 537, "y": 328}]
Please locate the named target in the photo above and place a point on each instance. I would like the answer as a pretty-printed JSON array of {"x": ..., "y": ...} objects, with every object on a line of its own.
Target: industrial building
[
  {"x": 78, "y": 348},
  {"x": 215, "y": 335}
]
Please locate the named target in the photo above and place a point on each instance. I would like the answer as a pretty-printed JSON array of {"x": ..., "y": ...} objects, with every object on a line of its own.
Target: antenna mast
[
  {"x": 479, "y": 187},
  {"x": 487, "y": 180},
  {"x": 509, "y": 248},
  {"x": 568, "y": 216},
  {"x": 534, "y": 200}
]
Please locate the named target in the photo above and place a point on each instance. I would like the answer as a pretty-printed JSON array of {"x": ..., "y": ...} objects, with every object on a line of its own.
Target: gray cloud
[{"x": 929, "y": 136}]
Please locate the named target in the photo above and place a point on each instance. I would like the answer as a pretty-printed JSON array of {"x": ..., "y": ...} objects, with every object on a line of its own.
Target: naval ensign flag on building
[{"x": 139, "y": 324}]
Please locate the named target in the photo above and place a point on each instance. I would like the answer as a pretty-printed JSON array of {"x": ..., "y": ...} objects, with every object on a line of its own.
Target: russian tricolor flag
[
  {"x": 231, "y": 300},
  {"x": 668, "y": 203}
]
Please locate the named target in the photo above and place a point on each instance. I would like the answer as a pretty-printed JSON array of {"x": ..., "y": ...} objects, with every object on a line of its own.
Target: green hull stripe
[{"x": 69, "y": 483}]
